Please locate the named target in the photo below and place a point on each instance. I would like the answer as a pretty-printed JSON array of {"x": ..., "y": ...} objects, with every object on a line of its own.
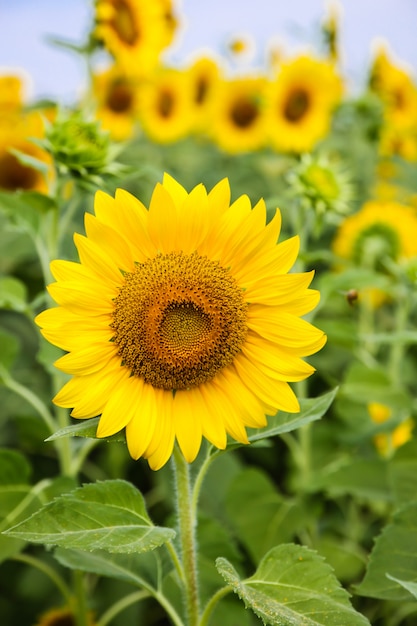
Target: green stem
[
  {"x": 397, "y": 347},
  {"x": 48, "y": 571},
  {"x": 211, "y": 456},
  {"x": 30, "y": 397},
  {"x": 211, "y": 605},
  {"x": 80, "y": 601},
  {"x": 121, "y": 605},
  {"x": 186, "y": 525}
]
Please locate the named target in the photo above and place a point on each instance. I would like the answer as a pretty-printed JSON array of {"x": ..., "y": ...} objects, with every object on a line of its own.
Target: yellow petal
[
  {"x": 88, "y": 359},
  {"x": 121, "y": 406},
  {"x": 141, "y": 427},
  {"x": 187, "y": 425}
]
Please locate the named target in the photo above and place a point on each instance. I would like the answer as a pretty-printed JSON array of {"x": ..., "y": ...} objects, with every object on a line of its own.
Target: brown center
[
  {"x": 165, "y": 103},
  {"x": 244, "y": 112},
  {"x": 119, "y": 98},
  {"x": 14, "y": 175},
  {"x": 296, "y": 105},
  {"x": 124, "y": 22},
  {"x": 178, "y": 320}
]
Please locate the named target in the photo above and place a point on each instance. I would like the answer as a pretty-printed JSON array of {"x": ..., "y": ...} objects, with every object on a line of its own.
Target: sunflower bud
[{"x": 80, "y": 148}]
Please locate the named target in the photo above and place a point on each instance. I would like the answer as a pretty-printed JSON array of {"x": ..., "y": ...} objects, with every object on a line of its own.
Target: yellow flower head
[
  {"x": 166, "y": 110},
  {"x": 300, "y": 102},
  {"x": 237, "y": 114},
  {"x": 204, "y": 73},
  {"x": 15, "y": 133},
  {"x": 378, "y": 230},
  {"x": 133, "y": 31},
  {"x": 117, "y": 102},
  {"x": 181, "y": 321},
  {"x": 397, "y": 90},
  {"x": 11, "y": 98},
  {"x": 387, "y": 443}
]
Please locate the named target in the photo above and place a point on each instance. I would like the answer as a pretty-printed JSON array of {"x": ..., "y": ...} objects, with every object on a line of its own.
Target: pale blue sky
[{"x": 24, "y": 25}]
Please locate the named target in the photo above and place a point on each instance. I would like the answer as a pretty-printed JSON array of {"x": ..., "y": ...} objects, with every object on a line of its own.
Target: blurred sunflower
[
  {"x": 15, "y": 134},
  {"x": 399, "y": 142},
  {"x": 171, "y": 20},
  {"x": 300, "y": 102},
  {"x": 237, "y": 121},
  {"x": 396, "y": 89},
  {"x": 166, "y": 110},
  {"x": 117, "y": 96},
  {"x": 387, "y": 443},
  {"x": 11, "y": 93},
  {"x": 133, "y": 31},
  {"x": 180, "y": 321},
  {"x": 380, "y": 230},
  {"x": 203, "y": 73}
]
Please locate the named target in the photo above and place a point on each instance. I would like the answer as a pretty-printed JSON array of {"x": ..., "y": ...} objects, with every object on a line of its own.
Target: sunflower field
[{"x": 208, "y": 335}]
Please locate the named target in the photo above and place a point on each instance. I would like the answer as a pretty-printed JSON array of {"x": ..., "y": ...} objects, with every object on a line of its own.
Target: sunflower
[
  {"x": 380, "y": 230},
  {"x": 397, "y": 90},
  {"x": 11, "y": 98},
  {"x": 180, "y": 321},
  {"x": 15, "y": 133},
  {"x": 300, "y": 102},
  {"x": 237, "y": 114},
  {"x": 166, "y": 110},
  {"x": 133, "y": 31},
  {"x": 117, "y": 96},
  {"x": 203, "y": 74},
  {"x": 387, "y": 442}
]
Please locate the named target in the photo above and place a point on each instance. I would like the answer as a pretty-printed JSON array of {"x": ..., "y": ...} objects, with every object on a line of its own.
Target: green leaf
[
  {"x": 13, "y": 294},
  {"x": 293, "y": 586},
  {"x": 109, "y": 515},
  {"x": 29, "y": 161},
  {"x": 363, "y": 478},
  {"x": 138, "y": 569},
  {"x": 402, "y": 472},
  {"x": 85, "y": 428},
  {"x": 312, "y": 409},
  {"x": 411, "y": 586},
  {"x": 25, "y": 209},
  {"x": 8, "y": 352},
  {"x": 393, "y": 557},
  {"x": 279, "y": 517}
]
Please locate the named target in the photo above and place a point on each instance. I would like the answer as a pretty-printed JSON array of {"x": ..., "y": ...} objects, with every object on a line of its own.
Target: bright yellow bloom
[
  {"x": 11, "y": 98},
  {"x": 117, "y": 102},
  {"x": 203, "y": 73},
  {"x": 166, "y": 110},
  {"x": 180, "y": 321},
  {"x": 397, "y": 90},
  {"x": 300, "y": 102},
  {"x": 379, "y": 230},
  {"x": 133, "y": 31},
  {"x": 377, "y": 235},
  {"x": 237, "y": 114},
  {"x": 15, "y": 133},
  {"x": 387, "y": 443}
]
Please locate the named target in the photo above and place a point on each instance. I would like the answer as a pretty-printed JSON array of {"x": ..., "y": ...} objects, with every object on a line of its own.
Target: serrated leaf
[
  {"x": 109, "y": 515},
  {"x": 394, "y": 556},
  {"x": 312, "y": 409},
  {"x": 293, "y": 586}
]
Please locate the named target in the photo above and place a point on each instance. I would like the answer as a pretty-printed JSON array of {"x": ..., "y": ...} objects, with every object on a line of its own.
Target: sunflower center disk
[{"x": 178, "y": 320}]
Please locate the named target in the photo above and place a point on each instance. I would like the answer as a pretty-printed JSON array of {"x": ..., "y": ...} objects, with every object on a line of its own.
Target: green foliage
[
  {"x": 108, "y": 515},
  {"x": 293, "y": 587}
]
